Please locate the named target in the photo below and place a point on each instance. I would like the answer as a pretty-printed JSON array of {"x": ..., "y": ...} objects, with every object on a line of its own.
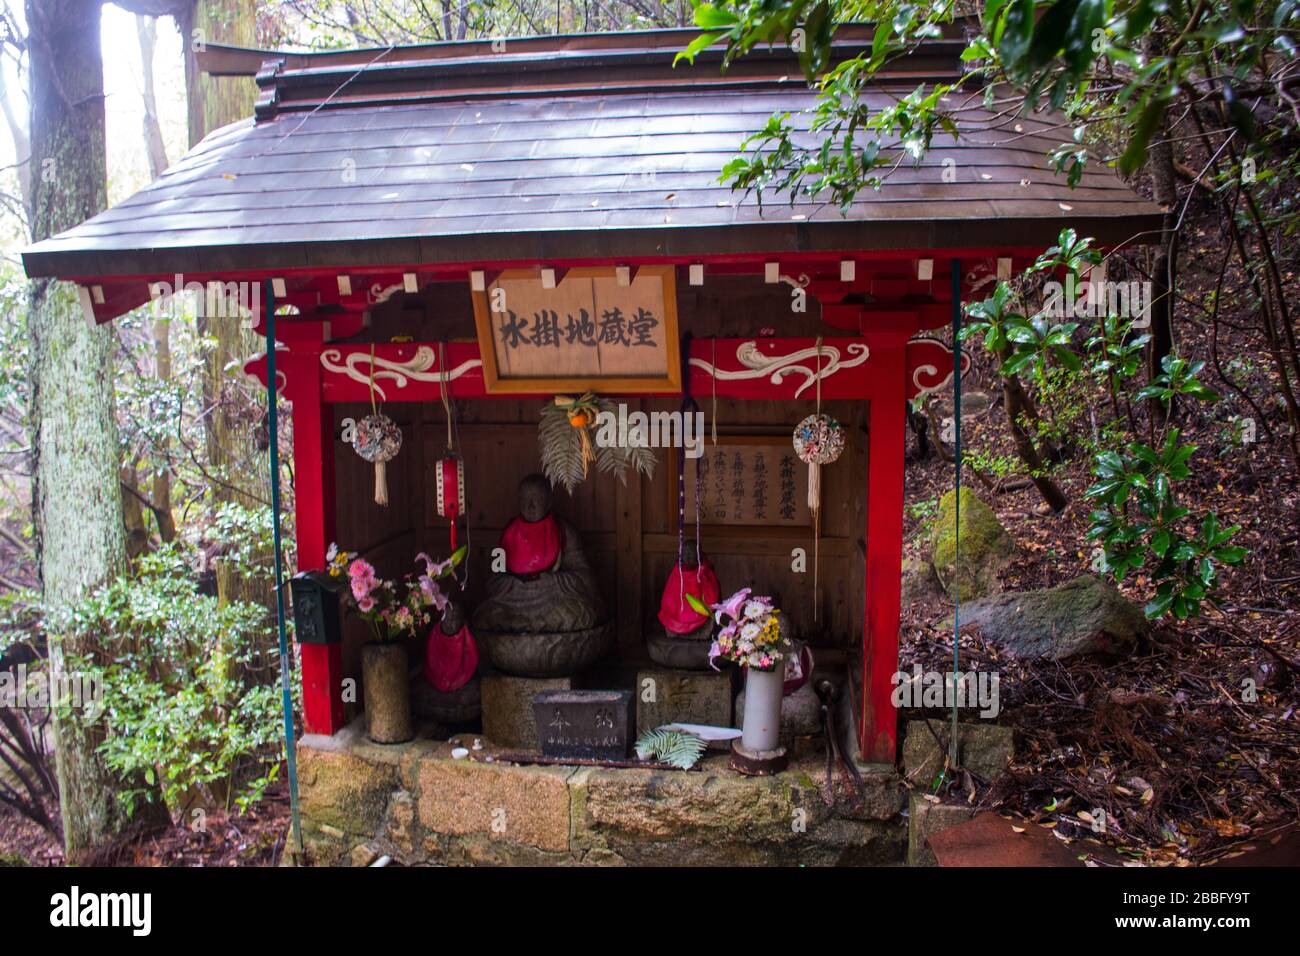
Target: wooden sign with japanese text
[
  {"x": 588, "y": 333},
  {"x": 747, "y": 481}
]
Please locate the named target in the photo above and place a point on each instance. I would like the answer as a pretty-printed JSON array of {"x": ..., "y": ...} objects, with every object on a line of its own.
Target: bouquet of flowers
[
  {"x": 394, "y": 609},
  {"x": 752, "y": 635}
]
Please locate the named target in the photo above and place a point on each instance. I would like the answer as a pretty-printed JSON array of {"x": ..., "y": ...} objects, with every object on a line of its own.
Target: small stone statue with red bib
[
  {"x": 546, "y": 592},
  {"x": 686, "y": 633}
]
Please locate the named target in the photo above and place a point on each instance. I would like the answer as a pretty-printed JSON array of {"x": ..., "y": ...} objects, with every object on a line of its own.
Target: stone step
[{"x": 415, "y": 803}]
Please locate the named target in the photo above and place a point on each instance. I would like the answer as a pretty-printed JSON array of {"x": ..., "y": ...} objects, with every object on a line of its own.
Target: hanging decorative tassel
[
  {"x": 818, "y": 440},
  {"x": 377, "y": 439}
]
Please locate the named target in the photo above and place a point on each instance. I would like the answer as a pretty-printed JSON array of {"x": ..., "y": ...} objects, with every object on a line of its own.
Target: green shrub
[{"x": 179, "y": 709}]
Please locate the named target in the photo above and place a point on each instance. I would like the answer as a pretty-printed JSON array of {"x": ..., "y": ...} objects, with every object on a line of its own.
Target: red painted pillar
[
  {"x": 313, "y": 487},
  {"x": 878, "y": 721}
]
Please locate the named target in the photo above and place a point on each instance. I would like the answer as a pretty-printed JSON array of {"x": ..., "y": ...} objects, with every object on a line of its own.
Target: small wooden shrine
[{"x": 385, "y": 198}]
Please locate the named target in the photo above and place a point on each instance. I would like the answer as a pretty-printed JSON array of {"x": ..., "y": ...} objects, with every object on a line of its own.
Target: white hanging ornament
[
  {"x": 377, "y": 439},
  {"x": 818, "y": 440}
]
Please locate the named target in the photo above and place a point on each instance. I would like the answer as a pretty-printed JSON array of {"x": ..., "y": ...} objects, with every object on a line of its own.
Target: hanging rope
[
  {"x": 815, "y": 473},
  {"x": 714, "y": 379},
  {"x": 688, "y": 407},
  {"x": 442, "y": 391},
  {"x": 374, "y": 408}
]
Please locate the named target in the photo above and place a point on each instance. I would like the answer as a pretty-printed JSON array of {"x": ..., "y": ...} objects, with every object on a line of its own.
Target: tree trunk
[
  {"x": 1019, "y": 408},
  {"x": 22, "y": 150},
  {"x": 233, "y": 415},
  {"x": 76, "y": 500},
  {"x": 146, "y": 29},
  {"x": 1164, "y": 267},
  {"x": 215, "y": 101}
]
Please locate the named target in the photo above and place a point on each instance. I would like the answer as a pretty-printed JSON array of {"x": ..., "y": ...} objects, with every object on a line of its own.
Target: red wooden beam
[
  {"x": 752, "y": 368},
  {"x": 313, "y": 474},
  {"x": 877, "y": 727}
]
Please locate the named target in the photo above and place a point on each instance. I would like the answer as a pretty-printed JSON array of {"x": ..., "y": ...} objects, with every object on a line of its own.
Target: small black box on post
[
  {"x": 315, "y": 608},
  {"x": 584, "y": 724}
]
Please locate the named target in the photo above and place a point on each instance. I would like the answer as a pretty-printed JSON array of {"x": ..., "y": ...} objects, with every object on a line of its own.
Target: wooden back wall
[{"x": 629, "y": 531}]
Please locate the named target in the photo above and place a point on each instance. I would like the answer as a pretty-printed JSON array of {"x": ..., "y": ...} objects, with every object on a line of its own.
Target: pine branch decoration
[{"x": 674, "y": 747}]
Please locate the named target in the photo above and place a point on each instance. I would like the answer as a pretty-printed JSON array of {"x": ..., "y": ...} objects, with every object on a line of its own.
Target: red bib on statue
[
  {"x": 450, "y": 659},
  {"x": 532, "y": 546},
  {"x": 675, "y": 614}
]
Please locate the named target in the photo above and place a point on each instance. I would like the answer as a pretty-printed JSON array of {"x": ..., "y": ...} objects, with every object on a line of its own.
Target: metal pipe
[
  {"x": 956, "y": 413},
  {"x": 273, "y": 423}
]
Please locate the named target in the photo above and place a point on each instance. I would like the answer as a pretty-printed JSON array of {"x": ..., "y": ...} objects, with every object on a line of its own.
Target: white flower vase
[{"x": 761, "y": 724}]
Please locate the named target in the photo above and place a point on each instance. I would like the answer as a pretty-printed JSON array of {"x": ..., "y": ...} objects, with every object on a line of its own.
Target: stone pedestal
[
  {"x": 924, "y": 819},
  {"x": 690, "y": 697},
  {"x": 984, "y": 749},
  {"x": 508, "y": 708}
]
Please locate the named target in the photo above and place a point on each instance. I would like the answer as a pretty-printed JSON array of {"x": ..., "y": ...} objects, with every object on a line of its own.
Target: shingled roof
[{"x": 560, "y": 148}]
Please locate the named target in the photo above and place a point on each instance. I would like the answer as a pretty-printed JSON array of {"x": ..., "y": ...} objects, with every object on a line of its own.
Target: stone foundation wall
[{"x": 416, "y": 804}]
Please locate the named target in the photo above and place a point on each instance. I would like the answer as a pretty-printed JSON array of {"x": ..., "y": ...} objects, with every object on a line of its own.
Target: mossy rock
[
  {"x": 1083, "y": 616},
  {"x": 986, "y": 547}
]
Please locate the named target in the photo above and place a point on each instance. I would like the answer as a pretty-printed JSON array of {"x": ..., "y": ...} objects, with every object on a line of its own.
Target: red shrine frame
[{"x": 884, "y": 364}]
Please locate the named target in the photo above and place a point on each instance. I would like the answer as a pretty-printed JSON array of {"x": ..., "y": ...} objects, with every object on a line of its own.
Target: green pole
[
  {"x": 956, "y": 412},
  {"x": 273, "y": 421}
]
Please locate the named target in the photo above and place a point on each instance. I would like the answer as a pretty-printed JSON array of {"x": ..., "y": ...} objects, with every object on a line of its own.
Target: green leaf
[
  {"x": 696, "y": 46},
  {"x": 675, "y": 747},
  {"x": 711, "y": 17},
  {"x": 1158, "y": 607},
  {"x": 699, "y": 606},
  {"x": 1160, "y": 542}
]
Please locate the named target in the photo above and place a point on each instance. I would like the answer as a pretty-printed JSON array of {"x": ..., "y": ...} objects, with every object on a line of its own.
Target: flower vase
[
  {"x": 761, "y": 724},
  {"x": 387, "y": 693}
]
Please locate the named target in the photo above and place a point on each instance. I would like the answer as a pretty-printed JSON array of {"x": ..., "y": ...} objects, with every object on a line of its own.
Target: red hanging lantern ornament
[{"x": 450, "y": 476}]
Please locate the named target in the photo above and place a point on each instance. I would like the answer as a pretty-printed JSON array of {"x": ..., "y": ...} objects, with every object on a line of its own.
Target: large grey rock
[
  {"x": 1082, "y": 616},
  {"x": 986, "y": 547}
]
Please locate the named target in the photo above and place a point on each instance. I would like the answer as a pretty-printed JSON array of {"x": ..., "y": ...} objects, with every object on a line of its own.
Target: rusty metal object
[{"x": 990, "y": 840}]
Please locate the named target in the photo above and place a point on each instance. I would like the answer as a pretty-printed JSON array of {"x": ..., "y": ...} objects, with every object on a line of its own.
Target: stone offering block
[
  {"x": 682, "y": 697},
  {"x": 508, "y": 708},
  {"x": 584, "y": 724}
]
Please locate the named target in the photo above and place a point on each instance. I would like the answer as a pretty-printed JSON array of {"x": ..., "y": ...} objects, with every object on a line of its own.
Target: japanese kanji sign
[
  {"x": 589, "y": 332},
  {"x": 748, "y": 480}
]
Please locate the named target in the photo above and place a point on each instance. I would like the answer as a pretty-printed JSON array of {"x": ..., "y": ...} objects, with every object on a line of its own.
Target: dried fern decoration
[
  {"x": 673, "y": 747},
  {"x": 566, "y": 443},
  {"x": 563, "y": 453}
]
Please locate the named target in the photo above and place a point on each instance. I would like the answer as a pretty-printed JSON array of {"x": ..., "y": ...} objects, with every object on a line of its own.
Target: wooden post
[
  {"x": 878, "y": 726},
  {"x": 313, "y": 486}
]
